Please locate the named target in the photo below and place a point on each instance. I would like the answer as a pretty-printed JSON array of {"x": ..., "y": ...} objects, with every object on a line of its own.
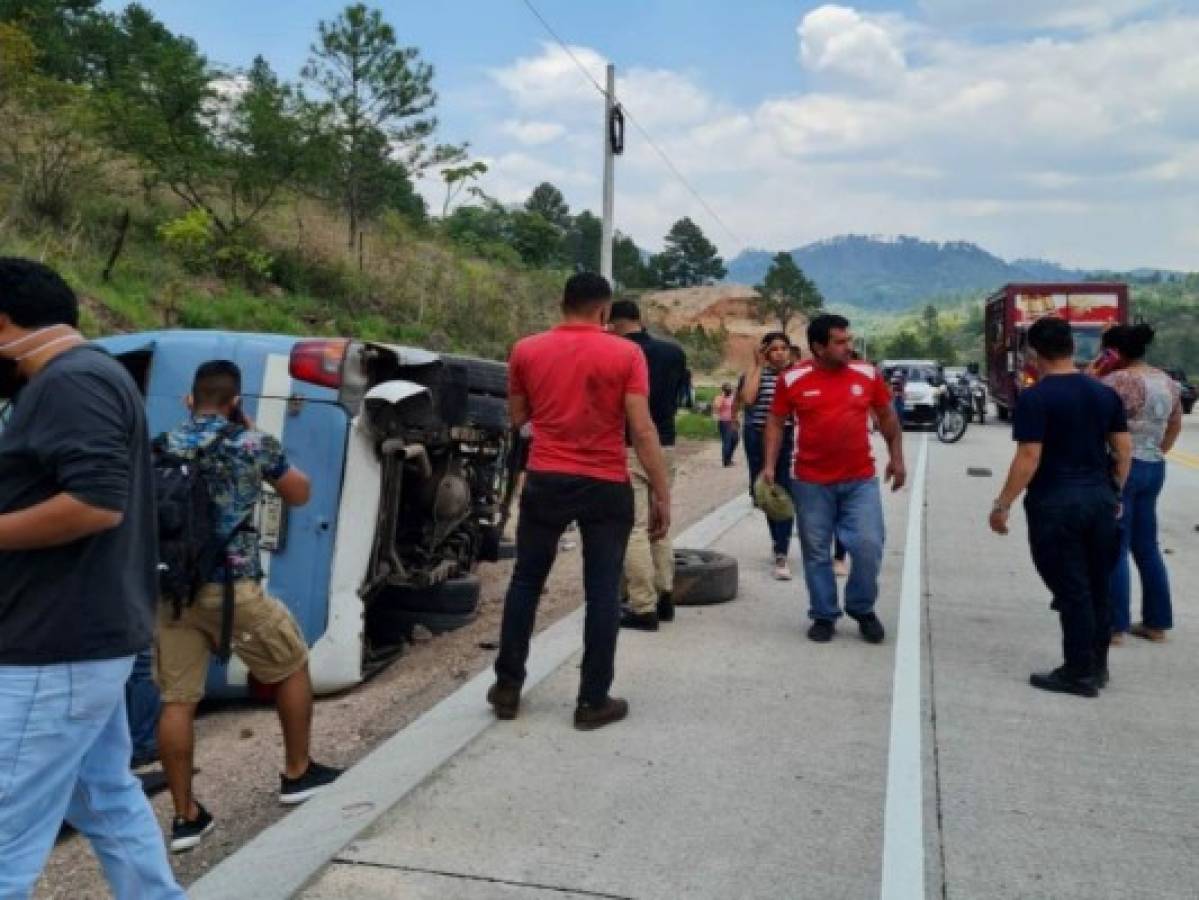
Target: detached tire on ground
[{"x": 703, "y": 577}]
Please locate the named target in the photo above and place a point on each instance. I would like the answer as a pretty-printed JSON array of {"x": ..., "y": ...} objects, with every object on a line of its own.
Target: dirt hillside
[{"x": 726, "y": 308}]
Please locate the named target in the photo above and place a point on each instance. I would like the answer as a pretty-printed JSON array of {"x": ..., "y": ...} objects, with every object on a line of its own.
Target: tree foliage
[
  {"x": 383, "y": 99},
  {"x": 787, "y": 292},
  {"x": 689, "y": 259},
  {"x": 547, "y": 201}
]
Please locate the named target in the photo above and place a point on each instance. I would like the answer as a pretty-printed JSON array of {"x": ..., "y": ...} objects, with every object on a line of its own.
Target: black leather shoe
[
  {"x": 639, "y": 621},
  {"x": 504, "y": 699},
  {"x": 589, "y": 718},
  {"x": 822, "y": 631},
  {"x": 666, "y": 607},
  {"x": 871, "y": 628},
  {"x": 1062, "y": 682}
]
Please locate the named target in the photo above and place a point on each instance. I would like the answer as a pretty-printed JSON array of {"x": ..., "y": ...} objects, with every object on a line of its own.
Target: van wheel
[
  {"x": 703, "y": 577},
  {"x": 487, "y": 413},
  {"x": 402, "y": 621},
  {"x": 457, "y": 596},
  {"x": 483, "y": 376}
]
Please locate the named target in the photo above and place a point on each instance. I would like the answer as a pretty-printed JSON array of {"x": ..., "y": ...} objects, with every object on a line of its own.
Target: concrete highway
[{"x": 755, "y": 764}]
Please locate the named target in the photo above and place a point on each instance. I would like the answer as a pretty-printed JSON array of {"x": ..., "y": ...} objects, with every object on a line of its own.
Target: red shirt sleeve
[
  {"x": 638, "y": 382},
  {"x": 780, "y": 406},
  {"x": 880, "y": 392},
  {"x": 516, "y": 385}
]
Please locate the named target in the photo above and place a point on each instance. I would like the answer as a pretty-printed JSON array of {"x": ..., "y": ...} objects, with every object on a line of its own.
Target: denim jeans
[
  {"x": 143, "y": 703},
  {"x": 755, "y": 455},
  {"x": 1074, "y": 538},
  {"x": 851, "y": 511},
  {"x": 1138, "y": 534},
  {"x": 64, "y": 753},
  {"x": 604, "y": 511},
  {"x": 728, "y": 441}
]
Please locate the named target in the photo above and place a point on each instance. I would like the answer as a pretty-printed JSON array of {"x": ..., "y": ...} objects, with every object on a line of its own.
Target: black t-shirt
[
  {"x": 1071, "y": 416},
  {"x": 667, "y": 371},
  {"x": 79, "y": 427}
]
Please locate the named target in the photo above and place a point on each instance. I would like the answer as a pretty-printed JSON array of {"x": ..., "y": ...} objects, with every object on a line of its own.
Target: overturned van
[{"x": 407, "y": 454}]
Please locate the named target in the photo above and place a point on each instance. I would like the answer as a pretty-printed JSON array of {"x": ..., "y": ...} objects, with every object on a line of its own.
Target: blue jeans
[
  {"x": 1138, "y": 534},
  {"x": 728, "y": 441},
  {"x": 143, "y": 704},
  {"x": 755, "y": 455},
  {"x": 64, "y": 753},
  {"x": 853, "y": 512}
]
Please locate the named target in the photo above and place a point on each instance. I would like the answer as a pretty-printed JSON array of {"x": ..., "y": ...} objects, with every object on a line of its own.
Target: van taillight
[{"x": 318, "y": 362}]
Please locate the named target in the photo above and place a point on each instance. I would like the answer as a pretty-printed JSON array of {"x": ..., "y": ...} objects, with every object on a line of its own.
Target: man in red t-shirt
[
  {"x": 834, "y": 485},
  {"x": 579, "y": 386}
]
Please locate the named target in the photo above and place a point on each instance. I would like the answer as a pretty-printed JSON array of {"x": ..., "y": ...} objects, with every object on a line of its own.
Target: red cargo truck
[{"x": 1090, "y": 308}]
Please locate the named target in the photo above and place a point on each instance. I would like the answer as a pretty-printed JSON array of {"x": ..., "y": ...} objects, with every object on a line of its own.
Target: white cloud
[
  {"x": 1089, "y": 15},
  {"x": 533, "y": 133},
  {"x": 1081, "y": 146},
  {"x": 840, "y": 40}
]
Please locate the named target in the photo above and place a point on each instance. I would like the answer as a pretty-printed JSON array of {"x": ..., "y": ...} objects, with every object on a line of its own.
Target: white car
[{"x": 923, "y": 383}]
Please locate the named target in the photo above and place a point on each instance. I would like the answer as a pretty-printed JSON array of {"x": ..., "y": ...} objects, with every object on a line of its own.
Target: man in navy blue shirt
[{"x": 1073, "y": 457}]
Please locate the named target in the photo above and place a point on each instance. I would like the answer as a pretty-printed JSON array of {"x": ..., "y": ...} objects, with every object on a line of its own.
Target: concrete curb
[{"x": 283, "y": 858}]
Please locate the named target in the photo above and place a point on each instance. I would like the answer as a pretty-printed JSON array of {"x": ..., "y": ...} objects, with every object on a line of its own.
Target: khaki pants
[{"x": 648, "y": 565}]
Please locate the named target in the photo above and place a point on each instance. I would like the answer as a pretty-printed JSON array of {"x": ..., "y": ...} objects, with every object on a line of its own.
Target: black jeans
[
  {"x": 604, "y": 511},
  {"x": 1074, "y": 536}
]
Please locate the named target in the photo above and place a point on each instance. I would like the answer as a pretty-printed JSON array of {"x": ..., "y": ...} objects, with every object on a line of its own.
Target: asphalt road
[{"x": 756, "y": 764}]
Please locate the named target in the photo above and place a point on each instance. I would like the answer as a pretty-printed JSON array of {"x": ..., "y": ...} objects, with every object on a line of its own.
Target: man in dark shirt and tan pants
[
  {"x": 77, "y": 592},
  {"x": 649, "y": 564}
]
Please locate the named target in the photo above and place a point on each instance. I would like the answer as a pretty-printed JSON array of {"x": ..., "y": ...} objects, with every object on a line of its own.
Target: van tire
[
  {"x": 483, "y": 376},
  {"x": 487, "y": 413},
  {"x": 703, "y": 577},
  {"x": 403, "y": 621},
  {"x": 457, "y": 596}
]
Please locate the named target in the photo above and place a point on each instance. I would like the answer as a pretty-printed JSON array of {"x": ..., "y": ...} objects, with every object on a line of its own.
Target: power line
[{"x": 640, "y": 128}]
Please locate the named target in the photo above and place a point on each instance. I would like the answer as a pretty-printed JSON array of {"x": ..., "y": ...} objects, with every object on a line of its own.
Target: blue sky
[{"x": 1065, "y": 129}]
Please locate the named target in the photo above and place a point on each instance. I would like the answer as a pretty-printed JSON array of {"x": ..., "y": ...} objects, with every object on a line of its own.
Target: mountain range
[{"x": 897, "y": 274}]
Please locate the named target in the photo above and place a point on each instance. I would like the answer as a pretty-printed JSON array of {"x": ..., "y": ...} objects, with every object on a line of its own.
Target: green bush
[
  {"x": 695, "y": 427},
  {"x": 190, "y": 237}
]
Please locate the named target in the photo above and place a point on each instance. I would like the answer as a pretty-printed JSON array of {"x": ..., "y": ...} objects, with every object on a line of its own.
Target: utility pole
[{"x": 609, "y": 176}]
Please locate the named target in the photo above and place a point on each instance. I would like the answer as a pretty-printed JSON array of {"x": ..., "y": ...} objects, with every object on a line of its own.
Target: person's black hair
[
  {"x": 1108, "y": 339},
  {"x": 1132, "y": 341},
  {"x": 1052, "y": 338},
  {"x": 771, "y": 336},
  {"x": 626, "y": 310},
  {"x": 35, "y": 296},
  {"x": 586, "y": 289},
  {"x": 822, "y": 326},
  {"x": 217, "y": 383}
]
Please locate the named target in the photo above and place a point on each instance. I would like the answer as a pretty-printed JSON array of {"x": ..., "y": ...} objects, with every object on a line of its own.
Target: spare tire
[
  {"x": 402, "y": 621},
  {"x": 703, "y": 577}
]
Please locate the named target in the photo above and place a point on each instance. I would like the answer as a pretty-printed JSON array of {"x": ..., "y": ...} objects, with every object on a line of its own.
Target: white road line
[{"x": 903, "y": 823}]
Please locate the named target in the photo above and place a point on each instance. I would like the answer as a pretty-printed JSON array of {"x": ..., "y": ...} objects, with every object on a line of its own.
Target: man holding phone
[{"x": 234, "y": 460}]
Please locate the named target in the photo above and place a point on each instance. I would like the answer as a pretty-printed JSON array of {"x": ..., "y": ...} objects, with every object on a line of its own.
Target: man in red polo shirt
[
  {"x": 579, "y": 386},
  {"x": 834, "y": 485}
]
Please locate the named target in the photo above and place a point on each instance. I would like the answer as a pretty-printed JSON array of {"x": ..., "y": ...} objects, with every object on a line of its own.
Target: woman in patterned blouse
[{"x": 1153, "y": 404}]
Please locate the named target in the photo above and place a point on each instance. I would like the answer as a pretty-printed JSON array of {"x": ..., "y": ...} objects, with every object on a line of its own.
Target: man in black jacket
[
  {"x": 77, "y": 592},
  {"x": 649, "y": 564}
]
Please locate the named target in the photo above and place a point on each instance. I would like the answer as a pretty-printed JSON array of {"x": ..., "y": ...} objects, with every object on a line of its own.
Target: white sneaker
[{"x": 782, "y": 571}]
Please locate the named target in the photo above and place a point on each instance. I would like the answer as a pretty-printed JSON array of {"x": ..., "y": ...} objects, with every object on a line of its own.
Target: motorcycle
[
  {"x": 951, "y": 414},
  {"x": 978, "y": 398}
]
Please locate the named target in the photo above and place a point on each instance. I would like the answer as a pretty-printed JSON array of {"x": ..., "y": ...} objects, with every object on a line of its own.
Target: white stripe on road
[{"x": 903, "y": 823}]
